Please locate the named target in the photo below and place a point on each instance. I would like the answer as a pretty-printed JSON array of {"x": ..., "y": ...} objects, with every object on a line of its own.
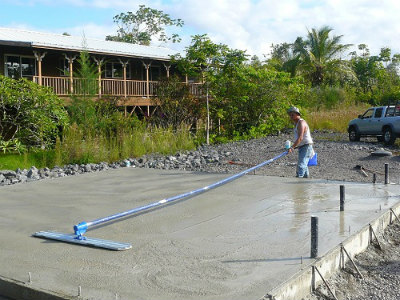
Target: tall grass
[
  {"x": 80, "y": 147},
  {"x": 38, "y": 158},
  {"x": 335, "y": 119}
]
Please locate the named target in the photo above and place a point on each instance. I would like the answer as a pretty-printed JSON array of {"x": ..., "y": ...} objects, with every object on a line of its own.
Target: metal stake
[
  {"x": 342, "y": 198},
  {"x": 372, "y": 233},
  {"x": 386, "y": 173},
  {"x": 326, "y": 283},
  {"x": 30, "y": 277},
  {"x": 374, "y": 178},
  {"x": 358, "y": 271},
  {"x": 397, "y": 218},
  {"x": 314, "y": 237}
]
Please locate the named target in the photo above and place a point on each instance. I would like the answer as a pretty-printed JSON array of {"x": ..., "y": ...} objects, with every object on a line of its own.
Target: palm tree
[{"x": 320, "y": 55}]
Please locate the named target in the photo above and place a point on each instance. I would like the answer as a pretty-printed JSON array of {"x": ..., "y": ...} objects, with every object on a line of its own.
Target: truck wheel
[
  {"x": 354, "y": 136},
  {"x": 388, "y": 136}
]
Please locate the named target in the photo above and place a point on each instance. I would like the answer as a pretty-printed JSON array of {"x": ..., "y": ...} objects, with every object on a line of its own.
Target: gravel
[
  {"x": 338, "y": 159},
  {"x": 380, "y": 269}
]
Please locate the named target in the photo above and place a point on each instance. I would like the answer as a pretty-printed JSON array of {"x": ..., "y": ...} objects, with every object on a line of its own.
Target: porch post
[
  {"x": 124, "y": 64},
  {"x": 147, "y": 66},
  {"x": 71, "y": 79},
  {"x": 99, "y": 62},
  {"x": 39, "y": 57},
  {"x": 167, "y": 67}
]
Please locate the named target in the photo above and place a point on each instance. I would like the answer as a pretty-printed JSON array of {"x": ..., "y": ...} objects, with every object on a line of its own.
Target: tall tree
[
  {"x": 320, "y": 55},
  {"x": 144, "y": 25},
  {"x": 285, "y": 57}
]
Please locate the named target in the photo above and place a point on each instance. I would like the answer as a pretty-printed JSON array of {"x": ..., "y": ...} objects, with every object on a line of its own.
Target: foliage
[
  {"x": 140, "y": 27},
  {"x": 29, "y": 114},
  {"x": 11, "y": 146},
  {"x": 335, "y": 119},
  {"x": 87, "y": 73},
  {"x": 376, "y": 83},
  {"x": 253, "y": 101},
  {"x": 320, "y": 56},
  {"x": 317, "y": 58},
  {"x": 80, "y": 147},
  {"x": 285, "y": 58},
  {"x": 176, "y": 104},
  {"x": 205, "y": 58}
]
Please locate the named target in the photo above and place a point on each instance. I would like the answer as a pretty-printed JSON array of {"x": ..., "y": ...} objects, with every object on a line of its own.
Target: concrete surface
[{"x": 235, "y": 242}]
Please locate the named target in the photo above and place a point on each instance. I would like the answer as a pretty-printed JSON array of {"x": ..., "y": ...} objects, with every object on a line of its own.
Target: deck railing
[{"x": 63, "y": 86}]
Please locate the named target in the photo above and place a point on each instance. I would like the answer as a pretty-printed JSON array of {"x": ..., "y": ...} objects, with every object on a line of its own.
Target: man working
[{"x": 303, "y": 142}]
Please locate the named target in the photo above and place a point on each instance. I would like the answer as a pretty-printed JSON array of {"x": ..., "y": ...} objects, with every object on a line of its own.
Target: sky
[{"x": 251, "y": 25}]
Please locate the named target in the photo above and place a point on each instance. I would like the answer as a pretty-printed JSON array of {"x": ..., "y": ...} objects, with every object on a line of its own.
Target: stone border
[{"x": 188, "y": 160}]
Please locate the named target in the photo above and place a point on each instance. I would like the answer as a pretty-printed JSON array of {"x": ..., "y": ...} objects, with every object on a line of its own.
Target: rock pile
[{"x": 188, "y": 160}]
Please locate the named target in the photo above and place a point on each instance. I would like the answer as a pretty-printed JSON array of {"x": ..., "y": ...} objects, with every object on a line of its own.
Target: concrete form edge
[
  {"x": 15, "y": 289},
  {"x": 305, "y": 281}
]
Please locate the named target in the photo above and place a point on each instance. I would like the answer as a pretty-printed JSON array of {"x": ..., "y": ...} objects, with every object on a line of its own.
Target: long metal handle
[{"x": 82, "y": 227}]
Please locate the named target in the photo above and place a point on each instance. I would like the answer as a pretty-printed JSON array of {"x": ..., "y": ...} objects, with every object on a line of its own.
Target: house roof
[{"x": 18, "y": 37}]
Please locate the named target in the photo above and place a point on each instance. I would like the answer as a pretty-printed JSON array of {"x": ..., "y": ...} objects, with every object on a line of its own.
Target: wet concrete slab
[{"x": 235, "y": 242}]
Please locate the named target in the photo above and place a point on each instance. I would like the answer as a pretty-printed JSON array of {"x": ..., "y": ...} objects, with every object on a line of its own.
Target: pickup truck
[{"x": 382, "y": 122}]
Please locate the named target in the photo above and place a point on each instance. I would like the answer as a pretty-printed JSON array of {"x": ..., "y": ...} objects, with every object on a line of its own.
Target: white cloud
[
  {"x": 253, "y": 25},
  {"x": 91, "y": 30}
]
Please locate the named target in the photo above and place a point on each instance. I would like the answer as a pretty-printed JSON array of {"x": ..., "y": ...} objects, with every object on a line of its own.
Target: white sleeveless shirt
[{"x": 307, "y": 139}]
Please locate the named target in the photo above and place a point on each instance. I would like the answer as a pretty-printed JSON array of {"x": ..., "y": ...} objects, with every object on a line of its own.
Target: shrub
[{"x": 29, "y": 113}]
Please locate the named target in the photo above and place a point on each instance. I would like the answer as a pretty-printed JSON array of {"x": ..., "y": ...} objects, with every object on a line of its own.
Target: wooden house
[{"x": 128, "y": 72}]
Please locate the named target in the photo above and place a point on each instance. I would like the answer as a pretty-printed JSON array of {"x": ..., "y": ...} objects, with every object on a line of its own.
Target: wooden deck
[{"x": 130, "y": 92}]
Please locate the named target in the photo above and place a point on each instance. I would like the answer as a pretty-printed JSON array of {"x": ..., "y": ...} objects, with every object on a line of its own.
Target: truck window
[
  {"x": 378, "y": 112},
  {"x": 390, "y": 111},
  {"x": 397, "y": 113},
  {"x": 368, "y": 113}
]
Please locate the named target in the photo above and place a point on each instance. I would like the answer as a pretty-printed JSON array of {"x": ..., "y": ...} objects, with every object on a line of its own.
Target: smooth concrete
[
  {"x": 299, "y": 286},
  {"x": 235, "y": 242}
]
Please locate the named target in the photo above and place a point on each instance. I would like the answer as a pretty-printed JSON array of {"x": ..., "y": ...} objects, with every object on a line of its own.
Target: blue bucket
[{"x": 313, "y": 160}]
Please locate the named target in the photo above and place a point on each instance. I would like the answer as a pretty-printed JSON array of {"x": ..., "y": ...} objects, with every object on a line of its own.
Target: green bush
[{"x": 30, "y": 114}]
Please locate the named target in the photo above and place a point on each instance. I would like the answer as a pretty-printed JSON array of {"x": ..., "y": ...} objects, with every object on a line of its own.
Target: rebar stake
[
  {"x": 325, "y": 282},
  {"x": 396, "y": 217},
  {"x": 372, "y": 234},
  {"x": 351, "y": 260}
]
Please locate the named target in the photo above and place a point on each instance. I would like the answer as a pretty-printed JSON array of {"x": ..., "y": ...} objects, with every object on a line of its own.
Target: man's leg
[{"x": 304, "y": 157}]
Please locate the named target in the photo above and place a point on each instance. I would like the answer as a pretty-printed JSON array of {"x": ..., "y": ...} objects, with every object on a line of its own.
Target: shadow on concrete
[{"x": 299, "y": 259}]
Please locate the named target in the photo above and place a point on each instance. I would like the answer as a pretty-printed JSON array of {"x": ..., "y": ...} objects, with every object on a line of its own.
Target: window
[
  {"x": 393, "y": 111},
  {"x": 368, "y": 114},
  {"x": 390, "y": 111},
  {"x": 115, "y": 70},
  {"x": 19, "y": 66},
  {"x": 378, "y": 112}
]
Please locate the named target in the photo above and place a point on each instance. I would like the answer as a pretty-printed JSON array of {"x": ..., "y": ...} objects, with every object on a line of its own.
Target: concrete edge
[
  {"x": 305, "y": 281},
  {"x": 20, "y": 290}
]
